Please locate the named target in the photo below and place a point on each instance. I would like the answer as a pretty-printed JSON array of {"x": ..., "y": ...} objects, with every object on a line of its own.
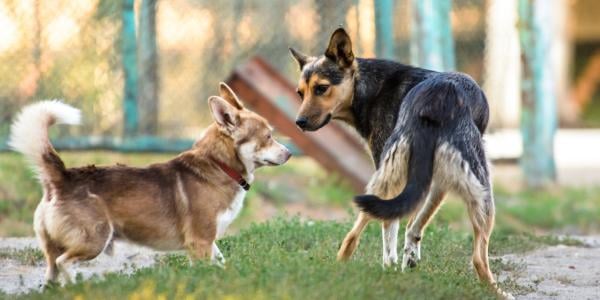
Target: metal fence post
[
  {"x": 384, "y": 29},
  {"x": 432, "y": 45},
  {"x": 538, "y": 113},
  {"x": 129, "y": 61},
  {"x": 148, "y": 81}
]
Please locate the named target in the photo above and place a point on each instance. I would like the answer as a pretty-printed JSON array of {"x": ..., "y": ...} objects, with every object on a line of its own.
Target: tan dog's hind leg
[
  {"x": 64, "y": 261},
  {"x": 51, "y": 252},
  {"x": 352, "y": 238}
]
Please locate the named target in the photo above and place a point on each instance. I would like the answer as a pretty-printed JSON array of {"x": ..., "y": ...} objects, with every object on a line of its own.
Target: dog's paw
[
  {"x": 502, "y": 294},
  {"x": 391, "y": 263},
  {"x": 219, "y": 264},
  {"x": 410, "y": 258},
  {"x": 218, "y": 260}
]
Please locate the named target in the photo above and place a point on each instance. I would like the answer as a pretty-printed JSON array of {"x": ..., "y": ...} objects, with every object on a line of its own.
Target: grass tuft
[{"x": 27, "y": 256}]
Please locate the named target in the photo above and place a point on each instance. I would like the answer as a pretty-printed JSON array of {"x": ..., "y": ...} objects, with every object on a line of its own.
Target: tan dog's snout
[{"x": 282, "y": 154}]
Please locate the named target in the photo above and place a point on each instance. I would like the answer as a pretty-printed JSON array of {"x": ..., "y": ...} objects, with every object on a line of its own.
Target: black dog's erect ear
[
  {"x": 340, "y": 48},
  {"x": 300, "y": 58}
]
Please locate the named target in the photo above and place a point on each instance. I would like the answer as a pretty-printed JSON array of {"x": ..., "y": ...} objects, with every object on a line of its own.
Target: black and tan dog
[{"x": 424, "y": 130}]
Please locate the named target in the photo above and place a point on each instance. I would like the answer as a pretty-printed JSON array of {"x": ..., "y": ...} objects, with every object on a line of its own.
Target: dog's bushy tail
[
  {"x": 29, "y": 135},
  {"x": 432, "y": 110},
  {"x": 420, "y": 173}
]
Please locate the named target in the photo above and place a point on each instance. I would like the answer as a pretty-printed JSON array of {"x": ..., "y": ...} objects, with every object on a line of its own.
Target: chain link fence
[{"x": 72, "y": 50}]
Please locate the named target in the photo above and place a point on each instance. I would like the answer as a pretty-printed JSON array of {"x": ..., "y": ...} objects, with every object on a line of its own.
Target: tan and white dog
[{"x": 185, "y": 203}]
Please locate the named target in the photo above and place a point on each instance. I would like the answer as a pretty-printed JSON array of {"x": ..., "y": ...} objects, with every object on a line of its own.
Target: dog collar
[{"x": 233, "y": 174}]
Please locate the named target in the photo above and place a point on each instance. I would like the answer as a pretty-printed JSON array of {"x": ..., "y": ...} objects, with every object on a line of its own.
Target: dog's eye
[
  {"x": 300, "y": 93},
  {"x": 321, "y": 89}
]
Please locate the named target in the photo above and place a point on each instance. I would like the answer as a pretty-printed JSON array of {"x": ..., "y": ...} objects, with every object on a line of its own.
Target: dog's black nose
[{"x": 301, "y": 122}]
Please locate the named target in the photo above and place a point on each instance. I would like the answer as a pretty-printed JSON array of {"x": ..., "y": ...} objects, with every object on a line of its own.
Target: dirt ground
[
  {"x": 18, "y": 277},
  {"x": 557, "y": 272}
]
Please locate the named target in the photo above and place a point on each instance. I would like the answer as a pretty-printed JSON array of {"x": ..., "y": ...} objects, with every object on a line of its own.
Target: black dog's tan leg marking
[
  {"x": 479, "y": 198},
  {"x": 389, "y": 233},
  {"x": 352, "y": 238},
  {"x": 388, "y": 181},
  {"x": 483, "y": 224},
  {"x": 481, "y": 213},
  {"x": 417, "y": 225}
]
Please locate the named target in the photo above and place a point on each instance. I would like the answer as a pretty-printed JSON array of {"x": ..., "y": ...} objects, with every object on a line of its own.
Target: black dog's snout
[{"x": 301, "y": 122}]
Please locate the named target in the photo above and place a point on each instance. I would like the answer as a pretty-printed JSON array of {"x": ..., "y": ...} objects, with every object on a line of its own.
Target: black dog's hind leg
[{"x": 418, "y": 223}]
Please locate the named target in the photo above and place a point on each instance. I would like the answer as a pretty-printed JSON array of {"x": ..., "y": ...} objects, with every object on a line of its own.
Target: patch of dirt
[
  {"x": 557, "y": 272},
  {"x": 17, "y": 277}
]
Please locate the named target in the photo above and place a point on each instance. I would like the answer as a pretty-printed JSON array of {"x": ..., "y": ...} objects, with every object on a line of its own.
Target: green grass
[
  {"x": 296, "y": 260},
  {"x": 26, "y": 256}
]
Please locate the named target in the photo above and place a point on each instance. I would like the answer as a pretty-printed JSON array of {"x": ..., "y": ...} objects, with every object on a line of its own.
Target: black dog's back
[
  {"x": 382, "y": 88},
  {"x": 443, "y": 108}
]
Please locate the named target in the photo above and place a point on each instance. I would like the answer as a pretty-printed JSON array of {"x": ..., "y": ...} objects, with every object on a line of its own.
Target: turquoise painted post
[
  {"x": 538, "y": 112},
  {"x": 432, "y": 44},
  {"x": 129, "y": 61},
  {"x": 148, "y": 81},
  {"x": 443, "y": 10},
  {"x": 384, "y": 29}
]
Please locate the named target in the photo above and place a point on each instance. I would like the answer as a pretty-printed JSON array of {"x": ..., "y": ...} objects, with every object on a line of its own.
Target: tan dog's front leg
[
  {"x": 200, "y": 240},
  {"x": 352, "y": 238},
  {"x": 217, "y": 257},
  {"x": 200, "y": 249}
]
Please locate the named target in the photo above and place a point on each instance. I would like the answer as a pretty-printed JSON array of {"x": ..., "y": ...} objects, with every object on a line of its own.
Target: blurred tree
[
  {"x": 129, "y": 48},
  {"x": 432, "y": 44},
  {"x": 384, "y": 29},
  {"x": 538, "y": 113},
  {"x": 148, "y": 101}
]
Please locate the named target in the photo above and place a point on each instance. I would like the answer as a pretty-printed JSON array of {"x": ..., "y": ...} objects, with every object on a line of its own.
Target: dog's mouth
[
  {"x": 269, "y": 163},
  {"x": 325, "y": 122}
]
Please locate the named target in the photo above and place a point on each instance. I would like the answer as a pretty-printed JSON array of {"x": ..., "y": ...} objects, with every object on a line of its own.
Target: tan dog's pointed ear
[
  {"x": 224, "y": 113},
  {"x": 227, "y": 94},
  {"x": 340, "y": 48},
  {"x": 300, "y": 58}
]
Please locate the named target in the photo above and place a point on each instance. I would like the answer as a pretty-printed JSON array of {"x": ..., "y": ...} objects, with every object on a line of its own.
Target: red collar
[{"x": 233, "y": 174}]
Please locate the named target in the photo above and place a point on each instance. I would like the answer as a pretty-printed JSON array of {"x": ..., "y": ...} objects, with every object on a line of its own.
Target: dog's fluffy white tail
[{"x": 29, "y": 131}]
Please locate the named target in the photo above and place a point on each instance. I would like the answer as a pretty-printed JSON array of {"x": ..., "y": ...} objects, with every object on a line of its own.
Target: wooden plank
[{"x": 270, "y": 95}]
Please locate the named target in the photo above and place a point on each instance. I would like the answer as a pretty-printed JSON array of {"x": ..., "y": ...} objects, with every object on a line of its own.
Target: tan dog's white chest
[{"x": 226, "y": 217}]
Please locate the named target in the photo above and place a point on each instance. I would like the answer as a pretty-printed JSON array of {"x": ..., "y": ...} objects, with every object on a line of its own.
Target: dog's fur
[
  {"x": 185, "y": 203},
  {"x": 424, "y": 131}
]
